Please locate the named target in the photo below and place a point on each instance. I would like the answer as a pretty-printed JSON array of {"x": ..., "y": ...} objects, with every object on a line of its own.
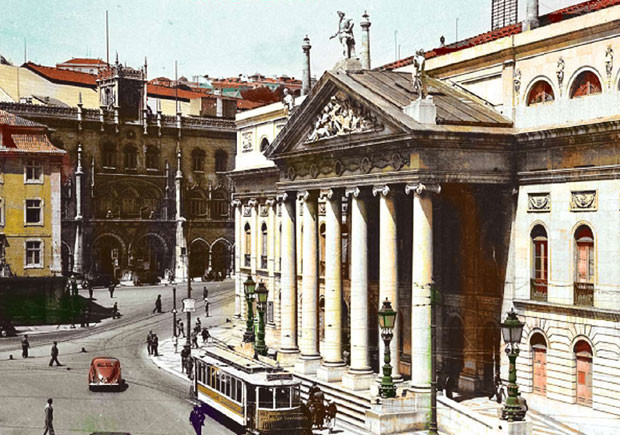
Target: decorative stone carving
[
  {"x": 263, "y": 210},
  {"x": 338, "y": 168},
  {"x": 247, "y": 211},
  {"x": 584, "y": 200},
  {"x": 421, "y": 189},
  {"x": 246, "y": 142},
  {"x": 539, "y": 202},
  {"x": 321, "y": 209},
  {"x": 314, "y": 171},
  {"x": 559, "y": 72},
  {"x": 290, "y": 173},
  {"x": 340, "y": 116},
  {"x": 517, "y": 81},
  {"x": 289, "y": 102},
  {"x": 365, "y": 165},
  {"x": 419, "y": 77},
  {"x": 609, "y": 64},
  {"x": 345, "y": 35}
]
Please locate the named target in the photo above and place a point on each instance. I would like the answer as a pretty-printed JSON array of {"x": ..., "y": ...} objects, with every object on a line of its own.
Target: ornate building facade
[{"x": 499, "y": 190}]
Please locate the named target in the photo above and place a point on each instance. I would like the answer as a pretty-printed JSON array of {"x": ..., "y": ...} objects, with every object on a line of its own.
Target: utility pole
[
  {"x": 432, "y": 429},
  {"x": 107, "y": 40}
]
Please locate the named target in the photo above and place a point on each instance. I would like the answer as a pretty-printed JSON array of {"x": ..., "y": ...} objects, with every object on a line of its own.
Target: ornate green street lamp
[
  {"x": 514, "y": 408},
  {"x": 261, "y": 299},
  {"x": 248, "y": 288},
  {"x": 387, "y": 317}
]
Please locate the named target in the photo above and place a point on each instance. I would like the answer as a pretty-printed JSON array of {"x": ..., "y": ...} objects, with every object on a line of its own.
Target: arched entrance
[
  {"x": 198, "y": 258},
  {"x": 66, "y": 258},
  {"x": 220, "y": 258},
  {"x": 108, "y": 255},
  {"x": 150, "y": 254},
  {"x": 539, "y": 364},
  {"x": 454, "y": 339},
  {"x": 583, "y": 354}
]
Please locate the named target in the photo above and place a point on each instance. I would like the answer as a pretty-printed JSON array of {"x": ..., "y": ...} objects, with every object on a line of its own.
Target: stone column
[
  {"x": 365, "y": 25},
  {"x": 360, "y": 375},
  {"x": 306, "y": 78},
  {"x": 388, "y": 270},
  {"x": 333, "y": 366},
  {"x": 421, "y": 282},
  {"x": 270, "y": 203},
  {"x": 254, "y": 231},
  {"x": 79, "y": 234},
  {"x": 288, "y": 283},
  {"x": 310, "y": 358},
  {"x": 239, "y": 297},
  {"x": 180, "y": 271}
]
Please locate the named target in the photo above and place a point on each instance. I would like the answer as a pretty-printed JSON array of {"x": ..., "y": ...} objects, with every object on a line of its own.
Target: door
[
  {"x": 540, "y": 370},
  {"x": 584, "y": 379}
]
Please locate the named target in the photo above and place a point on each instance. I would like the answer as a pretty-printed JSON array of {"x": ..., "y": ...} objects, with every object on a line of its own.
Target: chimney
[
  {"x": 365, "y": 24},
  {"x": 531, "y": 15},
  {"x": 305, "y": 76}
]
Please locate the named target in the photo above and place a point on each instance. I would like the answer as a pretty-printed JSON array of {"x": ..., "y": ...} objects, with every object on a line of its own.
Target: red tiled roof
[
  {"x": 83, "y": 61},
  {"x": 247, "y": 104},
  {"x": 57, "y": 75},
  {"x": 21, "y": 135},
  {"x": 7, "y": 118},
  {"x": 166, "y": 92},
  {"x": 513, "y": 29},
  {"x": 34, "y": 143}
]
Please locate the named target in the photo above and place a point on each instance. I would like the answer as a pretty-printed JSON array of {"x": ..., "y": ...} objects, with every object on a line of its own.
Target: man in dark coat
[
  {"x": 185, "y": 353},
  {"x": 149, "y": 342},
  {"x": 111, "y": 289},
  {"x": 25, "y": 346},
  {"x": 205, "y": 335},
  {"x": 49, "y": 418},
  {"x": 90, "y": 289},
  {"x": 54, "y": 354},
  {"x": 157, "y": 304},
  {"x": 197, "y": 419},
  {"x": 155, "y": 344}
]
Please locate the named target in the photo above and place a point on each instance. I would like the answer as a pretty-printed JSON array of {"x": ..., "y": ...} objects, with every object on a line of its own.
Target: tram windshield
[{"x": 278, "y": 397}]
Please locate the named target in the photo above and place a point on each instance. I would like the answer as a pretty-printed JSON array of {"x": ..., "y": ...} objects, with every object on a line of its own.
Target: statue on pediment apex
[{"x": 345, "y": 35}]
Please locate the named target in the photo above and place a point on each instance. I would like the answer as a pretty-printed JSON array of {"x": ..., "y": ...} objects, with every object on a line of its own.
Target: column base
[
  {"x": 288, "y": 357},
  {"x": 331, "y": 372},
  {"x": 357, "y": 381},
  {"x": 307, "y": 365}
]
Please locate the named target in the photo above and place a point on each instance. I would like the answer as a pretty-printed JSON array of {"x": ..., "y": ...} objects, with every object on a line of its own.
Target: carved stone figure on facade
[
  {"x": 419, "y": 77},
  {"x": 289, "y": 102},
  {"x": 559, "y": 72},
  {"x": 609, "y": 63},
  {"x": 345, "y": 35},
  {"x": 517, "y": 81}
]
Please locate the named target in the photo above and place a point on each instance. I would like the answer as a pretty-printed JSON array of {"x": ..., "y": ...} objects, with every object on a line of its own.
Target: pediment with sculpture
[{"x": 342, "y": 115}]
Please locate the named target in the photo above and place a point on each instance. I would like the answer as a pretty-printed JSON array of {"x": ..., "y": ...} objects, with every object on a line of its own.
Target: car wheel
[{"x": 3, "y": 333}]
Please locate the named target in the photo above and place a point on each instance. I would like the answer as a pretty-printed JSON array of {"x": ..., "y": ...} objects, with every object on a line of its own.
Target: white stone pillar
[
  {"x": 181, "y": 268},
  {"x": 360, "y": 375},
  {"x": 270, "y": 203},
  {"x": 79, "y": 234},
  {"x": 421, "y": 282},
  {"x": 56, "y": 218},
  {"x": 238, "y": 236},
  {"x": 310, "y": 358},
  {"x": 288, "y": 283},
  {"x": 388, "y": 270},
  {"x": 254, "y": 231},
  {"x": 333, "y": 366}
]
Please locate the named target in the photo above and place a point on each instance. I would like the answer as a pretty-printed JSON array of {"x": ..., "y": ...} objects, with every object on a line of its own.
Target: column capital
[
  {"x": 235, "y": 203},
  {"x": 282, "y": 197},
  {"x": 306, "y": 195},
  {"x": 421, "y": 189},
  {"x": 270, "y": 202},
  {"x": 383, "y": 190},
  {"x": 329, "y": 193},
  {"x": 352, "y": 191},
  {"x": 252, "y": 203}
]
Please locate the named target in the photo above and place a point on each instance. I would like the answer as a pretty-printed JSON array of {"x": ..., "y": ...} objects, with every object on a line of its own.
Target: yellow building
[{"x": 30, "y": 215}]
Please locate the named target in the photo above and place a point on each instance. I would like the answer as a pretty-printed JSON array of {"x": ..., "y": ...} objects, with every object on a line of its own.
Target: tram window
[
  {"x": 296, "y": 400},
  {"x": 265, "y": 398},
  {"x": 239, "y": 397},
  {"x": 283, "y": 397}
]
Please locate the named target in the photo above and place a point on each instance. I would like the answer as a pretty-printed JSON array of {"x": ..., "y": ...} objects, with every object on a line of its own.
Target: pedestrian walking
[
  {"x": 190, "y": 368},
  {"x": 74, "y": 288},
  {"x": 198, "y": 324},
  {"x": 54, "y": 354},
  {"x": 175, "y": 343},
  {"x": 205, "y": 292},
  {"x": 25, "y": 346},
  {"x": 157, "y": 304},
  {"x": 115, "y": 313},
  {"x": 155, "y": 344},
  {"x": 111, "y": 289},
  {"x": 90, "y": 290},
  {"x": 49, "y": 418},
  {"x": 185, "y": 353},
  {"x": 195, "y": 339},
  {"x": 149, "y": 342},
  {"x": 207, "y": 307},
  {"x": 180, "y": 329},
  {"x": 197, "y": 419},
  {"x": 205, "y": 335}
]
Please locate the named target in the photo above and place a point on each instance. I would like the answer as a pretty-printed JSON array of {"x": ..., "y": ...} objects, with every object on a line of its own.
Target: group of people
[{"x": 152, "y": 343}]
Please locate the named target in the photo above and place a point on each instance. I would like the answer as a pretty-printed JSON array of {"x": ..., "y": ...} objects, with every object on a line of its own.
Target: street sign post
[{"x": 189, "y": 305}]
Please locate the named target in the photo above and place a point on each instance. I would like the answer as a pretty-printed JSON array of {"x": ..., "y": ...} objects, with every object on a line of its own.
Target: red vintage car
[{"x": 105, "y": 372}]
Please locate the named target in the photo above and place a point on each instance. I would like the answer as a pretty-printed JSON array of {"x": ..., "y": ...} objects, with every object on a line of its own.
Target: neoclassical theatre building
[
  {"x": 144, "y": 179},
  {"x": 501, "y": 189}
]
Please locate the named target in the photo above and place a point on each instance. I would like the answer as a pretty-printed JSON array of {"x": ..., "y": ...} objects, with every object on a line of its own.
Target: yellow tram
[{"x": 258, "y": 396}]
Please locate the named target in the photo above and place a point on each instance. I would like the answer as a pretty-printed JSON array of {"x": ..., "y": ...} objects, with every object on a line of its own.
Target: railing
[
  {"x": 246, "y": 260},
  {"x": 538, "y": 290},
  {"x": 263, "y": 262},
  {"x": 584, "y": 294}
]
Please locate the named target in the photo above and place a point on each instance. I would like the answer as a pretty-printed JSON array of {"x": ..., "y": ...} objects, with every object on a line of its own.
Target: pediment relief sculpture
[
  {"x": 583, "y": 200},
  {"x": 539, "y": 202},
  {"x": 341, "y": 116}
]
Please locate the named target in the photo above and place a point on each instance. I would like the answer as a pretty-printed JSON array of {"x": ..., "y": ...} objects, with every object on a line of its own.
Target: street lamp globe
[
  {"x": 387, "y": 318},
  {"x": 387, "y": 315},
  {"x": 261, "y": 293},
  {"x": 512, "y": 328},
  {"x": 248, "y": 287}
]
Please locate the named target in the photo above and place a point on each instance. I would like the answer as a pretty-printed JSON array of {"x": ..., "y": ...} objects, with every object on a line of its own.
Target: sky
[{"x": 225, "y": 38}]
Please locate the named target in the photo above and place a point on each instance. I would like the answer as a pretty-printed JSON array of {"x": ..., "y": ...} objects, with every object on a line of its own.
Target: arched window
[
  {"x": 221, "y": 161},
  {"x": 586, "y": 83},
  {"x": 541, "y": 92},
  {"x": 198, "y": 160},
  {"x": 322, "y": 250},
  {"x": 584, "y": 266},
  {"x": 540, "y": 263},
  {"x": 583, "y": 355},
  {"x": 130, "y": 204},
  {"x": 247, "y": 245},
  {"x": 152, "y": 158},
  {"x": 539, "y": 361},
  {"x": 219, "y": 206},
  {"x": 263, "y": 253},
  {"x": 264, "y": 144},
  {"x": 109, "y": 156},
  {"x": 131, "y": 157},
  {"x": 197, "y": 204}
]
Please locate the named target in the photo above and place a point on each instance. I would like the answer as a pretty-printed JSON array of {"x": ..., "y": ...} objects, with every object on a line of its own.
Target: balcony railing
[
  {"x": 538, "y": 290},
  {"x": 584, "y": 294},
  {"x": 263, "y": 262},
  {"x": 246, "y": 260}
]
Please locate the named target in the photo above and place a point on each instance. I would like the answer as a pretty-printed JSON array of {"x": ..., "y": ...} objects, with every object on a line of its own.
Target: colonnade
[{"x": 327, "y": 362}]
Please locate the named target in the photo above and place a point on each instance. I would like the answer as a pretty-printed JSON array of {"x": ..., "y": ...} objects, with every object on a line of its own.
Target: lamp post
[
  {"x": 387, "y": 317},
  {"x": 261, "y": 297},
  {"x": 248, "y": 288},
  {"x": 174, "y": 311},
  {"x": 514, "y": 408}
]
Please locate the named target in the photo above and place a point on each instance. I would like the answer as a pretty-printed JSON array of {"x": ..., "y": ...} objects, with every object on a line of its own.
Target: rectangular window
[
  {"x": 270, "y": 312},
  {"x": 34, "y": 171},
  {"x": 34, "y": 212},
  {"x": 34, "y": 253},
  {"x": 198, "y": 207},
  {"x": 585, "y": 262}
]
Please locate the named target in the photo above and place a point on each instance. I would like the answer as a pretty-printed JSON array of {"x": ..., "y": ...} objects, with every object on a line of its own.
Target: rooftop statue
[
  {"x": 345, "y": 35},
  {"x": 419, "y": 77}
]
